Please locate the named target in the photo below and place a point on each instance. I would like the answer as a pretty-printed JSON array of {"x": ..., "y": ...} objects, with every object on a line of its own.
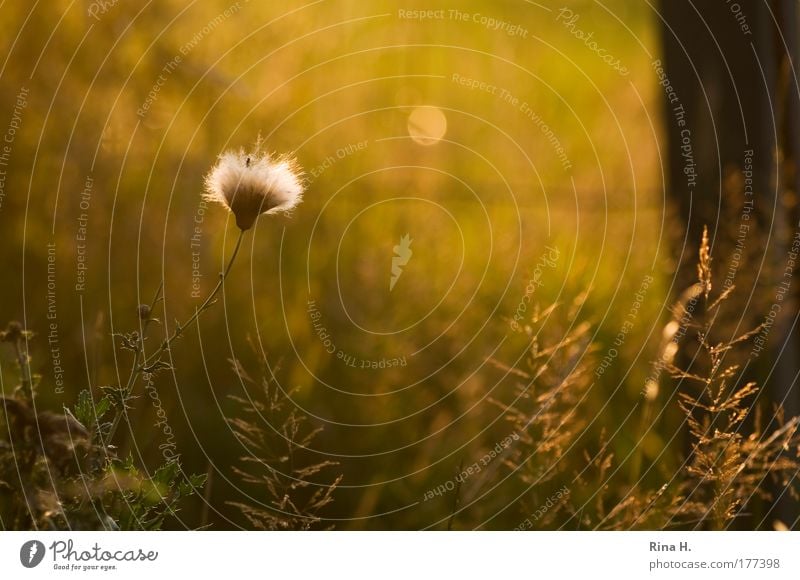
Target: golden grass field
[{"x": 528, "y": 174}]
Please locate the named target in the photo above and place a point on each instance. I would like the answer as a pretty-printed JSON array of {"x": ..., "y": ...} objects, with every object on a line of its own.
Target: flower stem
[
  {"x": 142, "y": 363},
  {"x": 198, "y": 311}
]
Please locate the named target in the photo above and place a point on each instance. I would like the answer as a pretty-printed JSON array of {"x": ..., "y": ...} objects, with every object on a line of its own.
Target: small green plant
[{"x": 58, "y": 471}]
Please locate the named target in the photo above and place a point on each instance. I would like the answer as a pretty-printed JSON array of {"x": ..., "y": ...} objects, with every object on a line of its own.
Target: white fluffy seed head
[{"x": 249, "y": 184}]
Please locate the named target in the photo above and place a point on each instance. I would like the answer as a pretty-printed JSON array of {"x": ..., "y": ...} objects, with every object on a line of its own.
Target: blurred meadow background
[{"x": 523, "y": 168}]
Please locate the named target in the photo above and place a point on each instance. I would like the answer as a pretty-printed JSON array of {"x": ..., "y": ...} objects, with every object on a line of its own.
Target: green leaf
[
  {"x": 88, "y": 412},
  {"x": 192, "y": 484},
  {"x": 198, "y": 480},
  {"x": 84, "y": 409},
  {"x": 165, "y": 475},
  {"x": 101, "y": 408}
]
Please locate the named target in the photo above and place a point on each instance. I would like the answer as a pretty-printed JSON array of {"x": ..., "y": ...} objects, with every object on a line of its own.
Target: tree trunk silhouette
[{"x": 733, "y": 68}]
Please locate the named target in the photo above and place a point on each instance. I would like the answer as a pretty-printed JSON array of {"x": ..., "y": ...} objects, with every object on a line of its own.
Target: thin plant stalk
[
  {"x": 21, "y": 350},
  {"x": 143, "y": 363}
]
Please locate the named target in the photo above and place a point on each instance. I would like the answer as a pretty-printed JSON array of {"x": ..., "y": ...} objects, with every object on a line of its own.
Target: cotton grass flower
[{"x": 249, "y": 184}]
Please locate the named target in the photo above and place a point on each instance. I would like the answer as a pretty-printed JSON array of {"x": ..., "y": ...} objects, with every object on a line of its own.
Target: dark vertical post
[{"x": 733, "y": 65}]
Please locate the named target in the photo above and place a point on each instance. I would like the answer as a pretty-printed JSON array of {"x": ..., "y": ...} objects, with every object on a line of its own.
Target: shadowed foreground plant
[{"x": 55, "y": 472}]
